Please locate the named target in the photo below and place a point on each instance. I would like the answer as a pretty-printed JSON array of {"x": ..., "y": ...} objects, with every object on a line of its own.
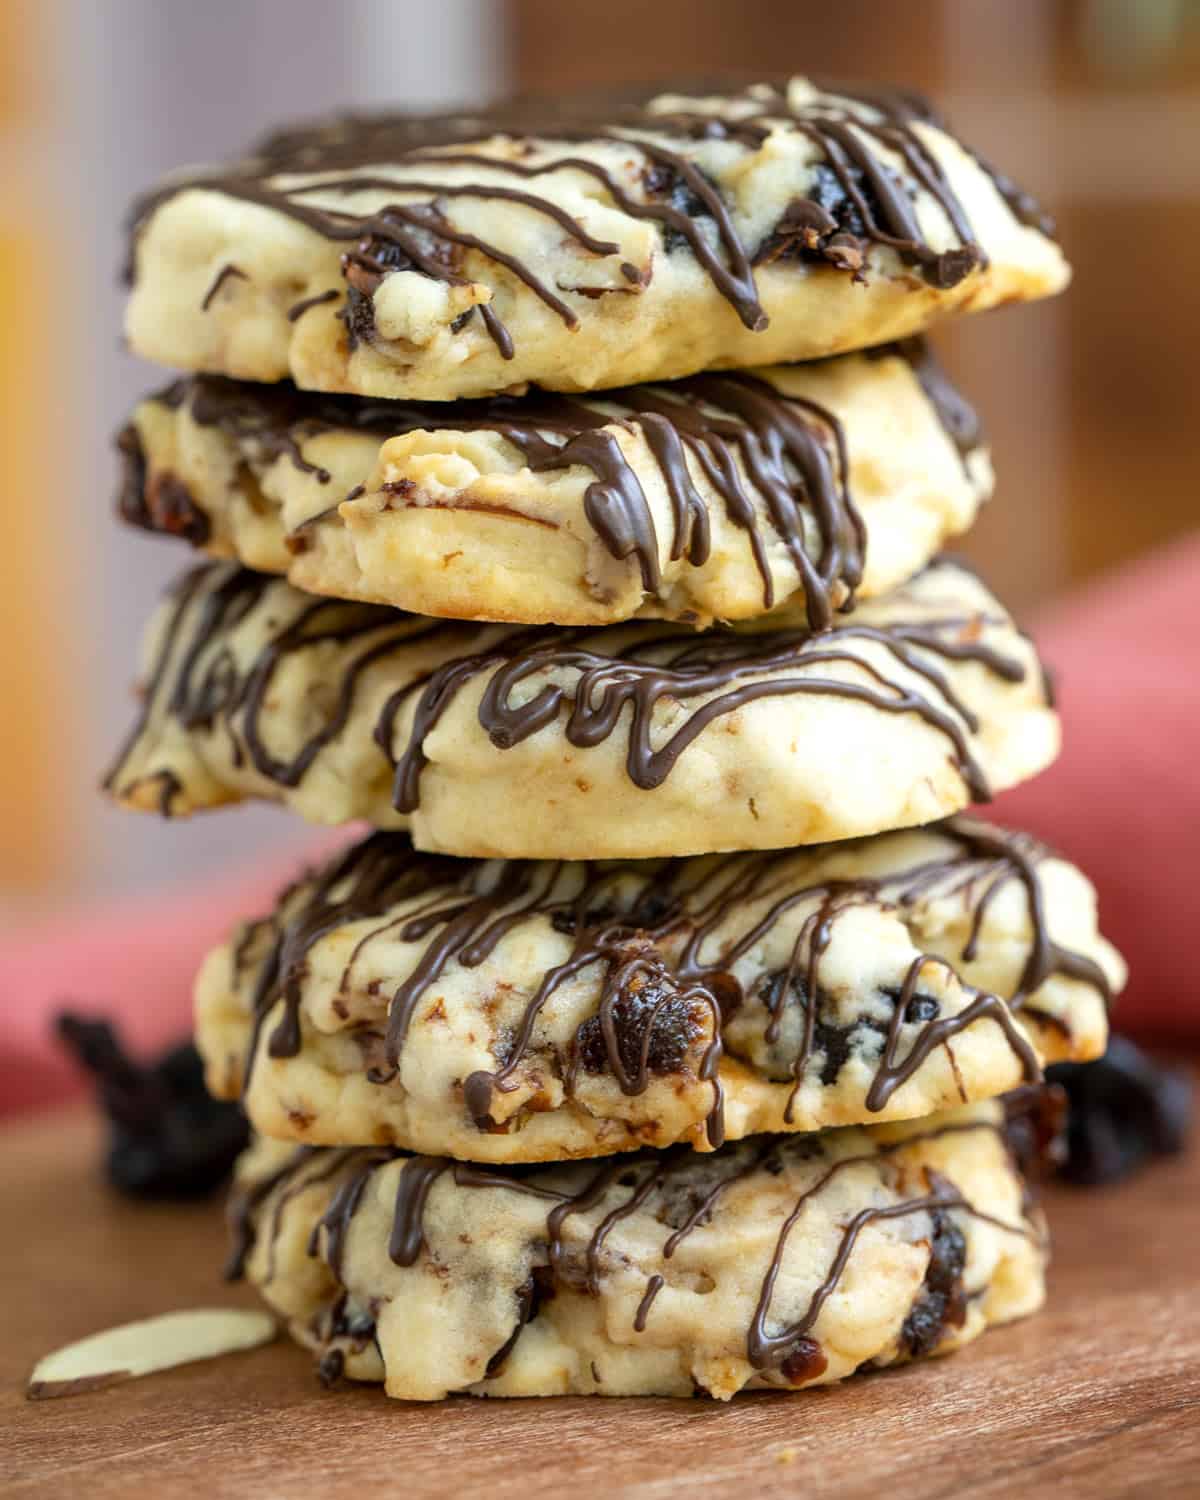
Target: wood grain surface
[{"x": 1097, "y": 1397}]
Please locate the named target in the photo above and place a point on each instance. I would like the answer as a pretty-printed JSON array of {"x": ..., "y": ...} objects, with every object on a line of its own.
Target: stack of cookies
[{"x": 654, "y": 1039}]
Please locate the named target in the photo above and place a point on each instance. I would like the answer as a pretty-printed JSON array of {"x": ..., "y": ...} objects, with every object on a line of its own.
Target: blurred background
[{"x": 1090, "y": 400}]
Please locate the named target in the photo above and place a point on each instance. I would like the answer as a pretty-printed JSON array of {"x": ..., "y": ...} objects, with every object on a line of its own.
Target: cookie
[
  {"x": 717, "y": 497},
  {"x": 630, "y": 741},
  {"x": 510, "y": 1012},
  {"x": 439, "y": 259},
  {"x": 781, "y": 1262}
]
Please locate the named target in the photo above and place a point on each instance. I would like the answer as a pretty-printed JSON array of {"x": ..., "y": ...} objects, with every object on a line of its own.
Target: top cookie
[{"x": 435, "y": 259}]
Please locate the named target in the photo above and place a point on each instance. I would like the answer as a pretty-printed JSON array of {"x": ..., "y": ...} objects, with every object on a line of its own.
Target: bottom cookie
[{"x": 779, "y": 1261}]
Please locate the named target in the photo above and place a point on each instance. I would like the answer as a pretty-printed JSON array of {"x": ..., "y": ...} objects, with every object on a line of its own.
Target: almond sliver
[{"x": 133, "y": 1349}]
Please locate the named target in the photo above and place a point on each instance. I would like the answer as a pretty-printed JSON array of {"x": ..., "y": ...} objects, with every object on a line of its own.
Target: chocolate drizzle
[
  {"x": 663, "y": 939},
  {"x": 871, "y": 163},
  {"x": 244, "y": 1204},
  {"x": 765, "y": 1348},
  {"x": 653, "y": 1287},
  {"x": 417, "y": 1176},
  {"x": 650, "y": 1183},
  {"x": 1046, "y": 957},
  {"x": 959, "y": 419},
  {"x": 199, "y": 687},
  {"x": 703, "y": 677},
  {"x": 759, "y": 449},
  {"x": 298, "y": 309},
  {"x": 184, "y": 593},
  {"x": 223, "y": 275}
]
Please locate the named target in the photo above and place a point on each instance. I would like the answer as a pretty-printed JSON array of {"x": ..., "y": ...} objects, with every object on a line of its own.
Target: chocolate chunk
[
  {"x": 652, "y": 1020},
  {"x": 834, "y": 1041},
  {"x": 825, "y": 226},
  {"x": 828, "y": 193},
  {"x": 363, "y": 270},
  {"x": 807, "y": 221},
  {"x": 805, "y": 1362},
  {"x": 922, "y": 1008},
  {"x": 1035, "y": 1120},
  {"x": 952, "y": 266},
  {"x": 836, "y": 1045},
  {"x": 418, "y": 246},
  {"x": 941, "y": 1301},
  {"x": 845, "y": 252},
  {"x": 159, "y": 503},
  {"x": 664, "y": 182},
  {"x": 172, "y": 509},
  {"x": 844, "y": 214},
  {"x": 358, "y": 316}
]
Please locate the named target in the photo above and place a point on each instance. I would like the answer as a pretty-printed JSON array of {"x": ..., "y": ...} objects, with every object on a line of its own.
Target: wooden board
[{"x": 1099, "y": 1396}]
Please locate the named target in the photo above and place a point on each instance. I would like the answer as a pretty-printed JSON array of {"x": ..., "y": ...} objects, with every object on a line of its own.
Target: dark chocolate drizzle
[
  {"x": 959, "y": 419},
  {"x": 186, "y": 591},
  {"x": 703, "y": 676},
  {"x": 198, "y": 697},
  {"x": 298, "y": 309},
  {"x": 227, "y": 271},
  {"x": 666, "y": 989},
  {"x": 244, "y": 1204},
  {"x": 651, "y": 1181},
  {"x": 766, "y": 1348},
  {"x": 713, "y": 674},
  {"x": 857, "y": 198},
  {"x": 757, "y": 448}
]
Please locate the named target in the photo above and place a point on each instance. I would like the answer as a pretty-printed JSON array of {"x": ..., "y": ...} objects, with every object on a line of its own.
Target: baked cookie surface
[
  {"x": 513, "y": 1011},
  {"x": 635, "y": 740},
  {"x": 781, "y": 1262},
  {"x": 715, "y": 498},
  {"x": 435, "y": 259}
]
